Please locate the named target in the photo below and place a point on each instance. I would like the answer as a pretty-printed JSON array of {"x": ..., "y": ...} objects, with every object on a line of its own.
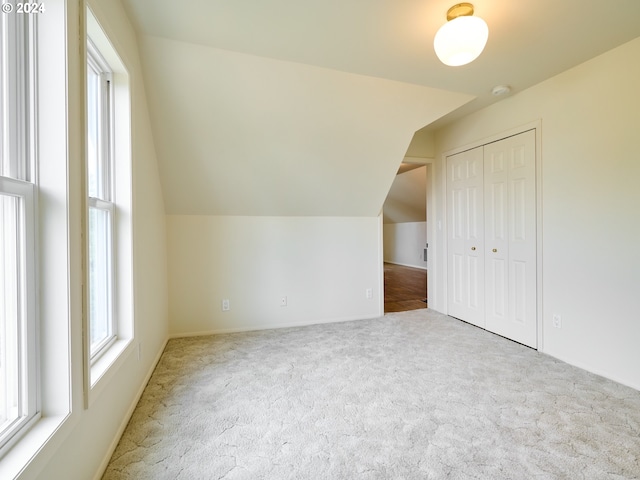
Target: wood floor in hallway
[{"x": 405, "y": 288}]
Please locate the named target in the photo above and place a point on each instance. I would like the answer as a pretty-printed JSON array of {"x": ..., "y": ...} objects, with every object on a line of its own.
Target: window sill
[
  {"x": 105, "y": 367},
  {"x": 18, "y": 459}
]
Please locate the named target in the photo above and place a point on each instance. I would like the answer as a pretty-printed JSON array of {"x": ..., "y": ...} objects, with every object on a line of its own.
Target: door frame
[{"x": 440, "y": 267}]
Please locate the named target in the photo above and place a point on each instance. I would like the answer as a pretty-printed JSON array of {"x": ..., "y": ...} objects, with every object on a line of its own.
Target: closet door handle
[
  {"x": 473, "y": 248},
  {"x": 494, "y": 250}
]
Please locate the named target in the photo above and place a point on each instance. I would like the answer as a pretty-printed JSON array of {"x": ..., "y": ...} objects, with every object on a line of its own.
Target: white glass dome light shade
[{"x": 461, "y": 40}]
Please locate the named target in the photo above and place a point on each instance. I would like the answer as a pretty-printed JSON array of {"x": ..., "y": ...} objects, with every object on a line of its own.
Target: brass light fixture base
[{"x": 459, "y": 10}]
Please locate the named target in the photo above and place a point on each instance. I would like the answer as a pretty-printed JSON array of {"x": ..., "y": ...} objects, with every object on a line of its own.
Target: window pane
[
  {"x": 10, "y": 313},
  {"x": 99, "y": 277},
  {"x": 5, "y": 169},
  {"x": 15, "y": 98},
  {"x": 93, "y": 137}
]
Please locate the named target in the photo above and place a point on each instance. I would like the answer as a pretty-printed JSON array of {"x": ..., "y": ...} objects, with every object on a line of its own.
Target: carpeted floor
[{"x": 414, "y": 395}]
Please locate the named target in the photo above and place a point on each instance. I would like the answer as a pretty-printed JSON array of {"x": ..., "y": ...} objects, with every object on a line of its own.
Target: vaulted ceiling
[{"x": 288, "y": 107}]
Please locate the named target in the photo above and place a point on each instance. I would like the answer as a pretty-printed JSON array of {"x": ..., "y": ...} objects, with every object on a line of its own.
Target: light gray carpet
[{"x": 413, "y": 395}]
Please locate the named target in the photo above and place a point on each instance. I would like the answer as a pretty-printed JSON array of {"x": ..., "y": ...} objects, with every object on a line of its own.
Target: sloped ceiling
[
  {"x": 284, "y": 107},
  {"x": 238, "y": 134},
  {"x": 406, "y": 201}
]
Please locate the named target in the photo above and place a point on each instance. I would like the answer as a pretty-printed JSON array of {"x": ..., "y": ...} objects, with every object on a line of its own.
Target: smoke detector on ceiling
[{"x": 501, "y": 90}]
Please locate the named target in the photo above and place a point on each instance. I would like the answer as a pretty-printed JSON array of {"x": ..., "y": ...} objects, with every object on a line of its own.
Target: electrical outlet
[
  {"x": 557, "y": 320},
  {"x": 283, "y": 301},
  {"x": 368, "y": 293},
  {"x": 226, "y": 305}
]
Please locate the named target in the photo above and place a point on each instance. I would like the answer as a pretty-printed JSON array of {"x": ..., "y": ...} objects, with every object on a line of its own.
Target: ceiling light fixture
[{"x": 462, "y": 38}]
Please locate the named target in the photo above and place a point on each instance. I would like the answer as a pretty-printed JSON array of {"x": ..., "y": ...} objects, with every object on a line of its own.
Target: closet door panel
[
  {"x": 465, "y": 225},
  {"x": 496, "y": 236},
  {"x": 515, "y": 251}
]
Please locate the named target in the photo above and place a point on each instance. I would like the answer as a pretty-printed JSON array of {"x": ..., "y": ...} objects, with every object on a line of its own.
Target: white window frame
[
  {"x": 102, "y": 200},
  {"x": 55, "y": 138},
  {"x": 18, "y": 134}
]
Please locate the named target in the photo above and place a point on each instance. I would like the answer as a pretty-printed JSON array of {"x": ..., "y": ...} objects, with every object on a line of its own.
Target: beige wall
[
  {"x": 404, "y": 243},
  {"x": 590, "y": 119},
  {"x": 422, "y": 144},
  {"x": 322, "y": 265}
]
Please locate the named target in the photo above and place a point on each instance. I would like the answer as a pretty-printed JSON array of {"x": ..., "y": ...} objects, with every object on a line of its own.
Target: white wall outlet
[
  {"x": 283, "y": 301},
  {"x": 226, "y": 305},
  {"x": 557, "y": 320},
  {"x": 368, "y": 293}
]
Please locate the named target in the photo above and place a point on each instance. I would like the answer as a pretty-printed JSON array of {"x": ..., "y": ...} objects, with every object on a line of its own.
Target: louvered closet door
[
  {"x": 466, "y": 236},
  {"x": 510, "y": 238}
]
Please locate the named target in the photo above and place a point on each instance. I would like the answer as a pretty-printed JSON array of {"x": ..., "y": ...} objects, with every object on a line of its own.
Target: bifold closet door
[
  {"x": 465, "y": 258},
  {"x": 510, "y": 238}
]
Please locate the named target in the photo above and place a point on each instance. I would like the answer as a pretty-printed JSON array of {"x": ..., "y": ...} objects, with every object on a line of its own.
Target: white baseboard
[
  {"x": 127, "y": 417},
  {"x": 268, "y": 327},
  {"x": 595, "y": 371}
]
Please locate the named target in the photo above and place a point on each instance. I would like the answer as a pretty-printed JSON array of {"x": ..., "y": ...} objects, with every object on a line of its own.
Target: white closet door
[
  {"x": 466, "y": 236},
  {"x": 510, "y": 238}
]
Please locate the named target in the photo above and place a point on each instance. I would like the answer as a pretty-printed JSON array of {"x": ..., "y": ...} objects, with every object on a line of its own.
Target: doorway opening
[{"x": 405, "y": 239}]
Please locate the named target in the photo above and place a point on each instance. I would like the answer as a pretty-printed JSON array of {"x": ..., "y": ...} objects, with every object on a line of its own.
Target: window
[
  {"x": 39, "y": 241},
  {"x": 102, "y": 328},
  {"x": 109, "y": 315},
  {"x": 19, "y": 396}
]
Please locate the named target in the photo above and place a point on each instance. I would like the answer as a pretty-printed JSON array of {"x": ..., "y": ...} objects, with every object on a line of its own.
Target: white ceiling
[{"x": 529, "y": 41}]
